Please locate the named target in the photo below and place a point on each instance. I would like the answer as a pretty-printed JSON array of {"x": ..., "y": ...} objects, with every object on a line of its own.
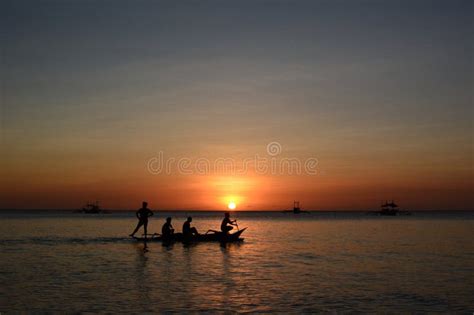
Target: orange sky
[
  {"x": 122, "y": 184},
  {"x": 384, "y": 104}
]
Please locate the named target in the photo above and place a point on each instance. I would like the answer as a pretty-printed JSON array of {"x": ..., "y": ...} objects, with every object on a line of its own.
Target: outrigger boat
[
  {"x": 210, "y": 236},
  {"x": 390, "y": 209},
  {"x": 91, "y": 207},
  {"x": 296, "y": 208}
]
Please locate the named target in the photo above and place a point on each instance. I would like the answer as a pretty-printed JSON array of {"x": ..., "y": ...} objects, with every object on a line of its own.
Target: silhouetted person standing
[
  {"x": 167, "y": 229},
  {"x": 142, "y": 215},
  {"x": 187, "y": 229},
  {"x": 225, "y": 225}
]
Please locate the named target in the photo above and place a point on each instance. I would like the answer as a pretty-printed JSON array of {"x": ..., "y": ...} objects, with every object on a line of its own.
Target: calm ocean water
[{"x": 319, "y": 262}]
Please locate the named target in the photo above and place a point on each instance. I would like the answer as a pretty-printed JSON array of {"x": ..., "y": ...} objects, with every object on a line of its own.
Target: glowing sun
[{"x": 231, "y": 205}]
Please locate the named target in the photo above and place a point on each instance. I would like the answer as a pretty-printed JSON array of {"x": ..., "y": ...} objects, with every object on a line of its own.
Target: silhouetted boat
[
  {"x": 214, "y": 236},
  {"x": 296, "y": 208},
  {"x": 91, "y": 208},
  {"x": 391, "y": 209}
]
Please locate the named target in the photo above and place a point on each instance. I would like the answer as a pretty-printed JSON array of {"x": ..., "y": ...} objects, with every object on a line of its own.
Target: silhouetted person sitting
[
  {"x": 189, "y": 231},
  {"x": 167, "y": 229},
  {"x": 142, "y": 215},
  {"x": 225, "y": 225}
]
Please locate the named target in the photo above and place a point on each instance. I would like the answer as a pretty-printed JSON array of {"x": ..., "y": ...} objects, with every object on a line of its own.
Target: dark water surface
[{"x": 308, "y": 263}]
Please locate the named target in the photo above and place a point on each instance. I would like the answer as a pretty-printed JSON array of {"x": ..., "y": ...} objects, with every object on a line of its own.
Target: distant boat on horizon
[
  {"x": 296, "y": 208},
  {"x": 91, "y": 208},
  {"x": 391, "y": 209}
]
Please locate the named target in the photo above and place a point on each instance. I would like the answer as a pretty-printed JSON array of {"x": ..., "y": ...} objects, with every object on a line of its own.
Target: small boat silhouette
[
  {"x": 391, "y": 209},
  {"x": 211, "y": 236},
  {"x": 91, "y": 207},
  {"x": 296, "y": 208}
]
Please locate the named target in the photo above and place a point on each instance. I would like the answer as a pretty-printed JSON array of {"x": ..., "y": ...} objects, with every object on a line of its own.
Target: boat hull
[{"x": 210, "y": 237}]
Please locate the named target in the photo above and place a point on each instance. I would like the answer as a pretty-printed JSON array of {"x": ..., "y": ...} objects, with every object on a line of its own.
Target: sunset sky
[{"x": 380, "y": 93}]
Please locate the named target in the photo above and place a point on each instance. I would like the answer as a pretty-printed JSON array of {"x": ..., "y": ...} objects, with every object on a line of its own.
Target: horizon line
[{"x": 228, "y": 210}]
